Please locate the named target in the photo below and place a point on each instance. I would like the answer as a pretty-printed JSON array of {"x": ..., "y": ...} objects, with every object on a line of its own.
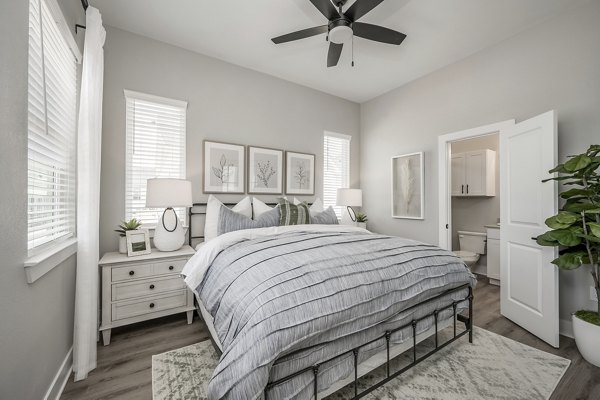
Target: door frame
[{"x": 444, "y": 171}]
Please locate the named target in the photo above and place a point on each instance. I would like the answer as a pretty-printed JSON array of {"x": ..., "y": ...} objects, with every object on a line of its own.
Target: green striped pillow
[{"x": 293, "y": 214}]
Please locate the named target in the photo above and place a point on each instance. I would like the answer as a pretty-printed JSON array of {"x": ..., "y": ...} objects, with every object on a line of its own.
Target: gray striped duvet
[{"x": 283, "y": 302}]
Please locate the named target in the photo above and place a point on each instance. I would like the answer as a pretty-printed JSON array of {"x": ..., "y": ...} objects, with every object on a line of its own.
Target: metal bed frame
[{"x": 314, "y": 369}]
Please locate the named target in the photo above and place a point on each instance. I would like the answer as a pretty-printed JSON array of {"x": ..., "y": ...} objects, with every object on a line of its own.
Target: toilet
[{"x": 472, "y": 246}]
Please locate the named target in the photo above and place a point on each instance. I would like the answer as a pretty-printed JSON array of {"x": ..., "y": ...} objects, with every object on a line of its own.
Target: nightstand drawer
[
  {"x": 168, "y": 267},
  {"x": 130, "y": 290},
  {"x": 131, "y": 272},
  {"x": 151, "y": 305}
]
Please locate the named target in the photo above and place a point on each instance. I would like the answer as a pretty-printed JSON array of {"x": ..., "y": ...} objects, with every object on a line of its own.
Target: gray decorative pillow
[
  {"x": 327, "y": 217},
  {"x": 230, "y": 221},
  {"x": 293, "y": 214}
]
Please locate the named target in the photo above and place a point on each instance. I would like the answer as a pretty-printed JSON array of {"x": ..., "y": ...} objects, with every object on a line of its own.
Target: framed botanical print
[
  {"x": 408, "y": 199},
  {"x": 265, "y": 170},
  {"x": 224, "y": 167},
  {"x": 299, "y": 173}
]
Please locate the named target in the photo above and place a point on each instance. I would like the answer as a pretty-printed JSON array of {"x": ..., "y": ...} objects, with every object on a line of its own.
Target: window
[
  {"x": 336, "y": 165},
  {"x": 156, "y": 129},
  {"x": 51, "y": 127}
]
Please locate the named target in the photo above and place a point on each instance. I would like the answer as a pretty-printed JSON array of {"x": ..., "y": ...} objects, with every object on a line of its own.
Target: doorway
[
  {"x": 475, "y": 204},
  {"x": 529, "y": 280}
]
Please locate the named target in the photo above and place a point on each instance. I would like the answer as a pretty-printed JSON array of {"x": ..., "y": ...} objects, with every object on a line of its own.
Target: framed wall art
[
  {"x": 265, "y": 170},
  {"x": 224, "y": 168},
  {"x": 299, "y": 173},
  {"x": 408, "y": 199}
]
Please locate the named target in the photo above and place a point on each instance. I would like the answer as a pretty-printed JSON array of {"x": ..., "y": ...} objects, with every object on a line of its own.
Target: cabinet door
[
  {"x": 475, "y": 173},
  {"x": 458, "y": 174},
  {"x": 493, "y": 259}
]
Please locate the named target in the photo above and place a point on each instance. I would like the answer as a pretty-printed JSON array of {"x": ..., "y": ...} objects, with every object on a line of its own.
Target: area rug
[{"x": 493, "y": 367}]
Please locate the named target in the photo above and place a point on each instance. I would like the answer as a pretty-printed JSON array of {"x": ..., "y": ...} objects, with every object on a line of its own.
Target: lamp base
[{"x": 169, "y": 234}]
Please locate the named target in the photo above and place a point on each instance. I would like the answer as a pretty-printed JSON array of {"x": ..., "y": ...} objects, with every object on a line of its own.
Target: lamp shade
[
  {"x": 349, "y": 197},
  {"x": 163, "y": 192}
]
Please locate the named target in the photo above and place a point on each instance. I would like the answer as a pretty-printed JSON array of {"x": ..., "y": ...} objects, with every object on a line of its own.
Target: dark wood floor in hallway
[{"x": 124, "y": 367}]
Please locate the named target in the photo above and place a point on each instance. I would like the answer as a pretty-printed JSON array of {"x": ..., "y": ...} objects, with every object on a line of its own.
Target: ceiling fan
[{"x": 343, "y": 26}]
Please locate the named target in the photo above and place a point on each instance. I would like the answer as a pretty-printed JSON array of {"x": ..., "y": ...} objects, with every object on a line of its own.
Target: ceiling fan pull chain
[{"x": 352, "y": 51}]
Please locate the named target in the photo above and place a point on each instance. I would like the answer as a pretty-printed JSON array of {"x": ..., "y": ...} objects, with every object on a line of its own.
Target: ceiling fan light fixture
[{"x": 340, "y": 34}]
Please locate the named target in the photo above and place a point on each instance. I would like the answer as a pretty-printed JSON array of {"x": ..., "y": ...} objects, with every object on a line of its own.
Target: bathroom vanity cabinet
[{"x": 493, "y": 255}]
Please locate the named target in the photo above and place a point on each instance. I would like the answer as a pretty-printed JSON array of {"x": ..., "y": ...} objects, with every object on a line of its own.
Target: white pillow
[
  {"x": 259, "y": 208},
  {"x": 213, "y": 206},
  {"x": 316, "y": 207}
]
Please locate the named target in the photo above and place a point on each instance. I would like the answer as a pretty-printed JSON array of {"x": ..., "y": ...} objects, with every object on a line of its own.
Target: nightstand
[{"x": 140, "y": 288}]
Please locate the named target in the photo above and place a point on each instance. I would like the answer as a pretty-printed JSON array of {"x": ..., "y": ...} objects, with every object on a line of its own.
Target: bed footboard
[{"x": 466, "y": 319}]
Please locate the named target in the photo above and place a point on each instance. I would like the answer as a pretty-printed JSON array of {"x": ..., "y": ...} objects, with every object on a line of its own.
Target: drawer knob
[
  {"x": 171, "y": 268},
  {"x": 151, "y": 286},
  {"x": 151, "y": 305},
  {"x": 131, "y": 273}
]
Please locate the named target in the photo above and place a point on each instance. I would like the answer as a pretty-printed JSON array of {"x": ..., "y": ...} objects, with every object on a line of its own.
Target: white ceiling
[{"x": 440, "y": 32}]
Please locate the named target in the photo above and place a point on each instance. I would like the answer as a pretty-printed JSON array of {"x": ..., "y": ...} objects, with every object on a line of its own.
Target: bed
[{"x": 298, "y": 312}]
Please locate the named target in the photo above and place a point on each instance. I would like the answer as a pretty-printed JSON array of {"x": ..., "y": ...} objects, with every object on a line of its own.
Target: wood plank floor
[{"x": 124, "y": 367}]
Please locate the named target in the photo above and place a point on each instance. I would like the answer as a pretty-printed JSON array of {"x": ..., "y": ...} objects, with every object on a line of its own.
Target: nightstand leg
[
  {"x": 190, "y": 316},
  {"x": 106, "y": 337}
]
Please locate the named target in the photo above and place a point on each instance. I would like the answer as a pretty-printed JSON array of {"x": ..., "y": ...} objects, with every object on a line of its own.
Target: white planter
[
  {"x": 362, "y": 225},
  {"x": 122, "y": 245},
  {"x": 587, "y": 337}
]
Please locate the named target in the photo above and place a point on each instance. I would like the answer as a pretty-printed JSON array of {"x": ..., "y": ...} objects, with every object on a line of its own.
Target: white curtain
[{"x": 88, "y": 196}]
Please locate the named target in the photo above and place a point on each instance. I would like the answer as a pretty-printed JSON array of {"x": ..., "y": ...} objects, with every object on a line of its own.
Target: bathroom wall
[{"x": 473, "y": 213}]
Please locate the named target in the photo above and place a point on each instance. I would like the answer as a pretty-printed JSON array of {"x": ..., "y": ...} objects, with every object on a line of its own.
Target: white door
[
  {"x": 457, "y": 167},
  {"x": 476, "y": 173},
  {"x": 529, "y": 289}
]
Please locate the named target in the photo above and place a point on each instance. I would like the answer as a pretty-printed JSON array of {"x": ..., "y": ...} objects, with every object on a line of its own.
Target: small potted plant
[
  {"x": 576, "y": 231},
  {"x": 125, "y": 226},
  {"x": 361, "y": 220}
]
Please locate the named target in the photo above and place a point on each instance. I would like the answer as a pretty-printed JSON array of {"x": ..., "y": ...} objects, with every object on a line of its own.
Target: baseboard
[
  {"x": 565, "y": 327},
  {"x": 60, "y": 379}
]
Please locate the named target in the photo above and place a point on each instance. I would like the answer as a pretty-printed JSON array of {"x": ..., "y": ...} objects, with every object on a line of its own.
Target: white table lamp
[
  {"x": 349, "y": 198},
  {"x": 169, "y": 234}
]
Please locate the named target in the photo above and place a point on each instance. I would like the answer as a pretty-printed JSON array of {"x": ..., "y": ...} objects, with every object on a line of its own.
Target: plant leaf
[
  {"x": 576, "y": 192},
  {"x": 578, "y": 207},
  {"x": 594, "y": 228},
  {"x": 570, "y": 261},
  {"x": 553, "y": 223},
  {"x": 558, "y": 168},
  {"x": 565, "y": 217},
  {"x": 546, "y": 240},
  {"x": 577, "y": 163},
  {"x": 565, "y": 237}
]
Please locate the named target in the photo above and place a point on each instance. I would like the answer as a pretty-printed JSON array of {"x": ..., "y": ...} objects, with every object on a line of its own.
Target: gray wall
[
  {"x": 226, "y": 103},
  {"x": 36, "y": 331},
  {"x": 554, "y": 65},
  {"x": 473, "y": 213}
]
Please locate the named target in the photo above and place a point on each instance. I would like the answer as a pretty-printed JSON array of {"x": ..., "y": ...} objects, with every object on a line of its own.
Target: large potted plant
[{"x": 576, "y": 231}]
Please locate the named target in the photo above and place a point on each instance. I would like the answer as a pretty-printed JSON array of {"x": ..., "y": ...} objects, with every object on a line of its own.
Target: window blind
[
  {"x": 336, "y": 165},
  {"x": 52, "y": 127},
  {"x": 156, "y": 134}
]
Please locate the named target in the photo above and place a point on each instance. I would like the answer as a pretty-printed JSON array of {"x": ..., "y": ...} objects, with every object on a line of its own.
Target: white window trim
[
  {"x": 39, "y": 263},
  {"x": 158, "y": 99}
]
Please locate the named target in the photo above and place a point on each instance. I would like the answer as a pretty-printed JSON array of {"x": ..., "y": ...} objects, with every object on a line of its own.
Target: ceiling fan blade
[
  {"x": 377, "y": 33},
  {"x": 326, "y": 8},
  {"x": 360, "y": 8},
  {"x": 304, "y": 33},
  {"x": 335, "y": 51}
]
